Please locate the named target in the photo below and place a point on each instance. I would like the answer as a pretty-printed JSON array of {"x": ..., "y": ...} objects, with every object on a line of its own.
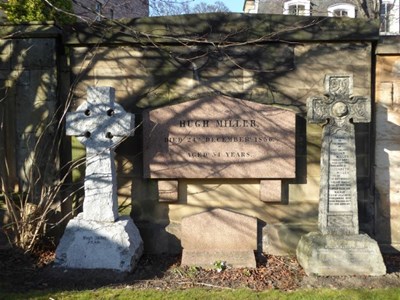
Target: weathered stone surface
[
  {"x": 219, "y": 137},
  {"x": 281, "y": 239},
  {"x": 338, "y": 211},
  {"x": 258, "y": 27},
  {"x": 387, "y": 147},
  {"x": 207, "y": 259},
  {"x": 100, "y": 124},
  {"x": 99, "y": 245},
  {"x": 339, "y": 249},
  {"x": 221, "y": 234},
  {"x": 336, "y": 255},
  {"x": 270, "y": 190},
  {"x": 93, "y": 240},
  {"x": 157, "y": 70},
  {"x": 28, "y": 53},
  {"x": 168, "y": 190},
  {"x": 131, "y": 70},
  {"x": 219, "y": 229}
]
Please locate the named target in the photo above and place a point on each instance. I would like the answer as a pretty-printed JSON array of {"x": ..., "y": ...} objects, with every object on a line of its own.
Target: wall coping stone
[
  {"x": 29, "y": 30},
  {"x": 233, "y": 27},
  {"x": 388, "y": 45}
]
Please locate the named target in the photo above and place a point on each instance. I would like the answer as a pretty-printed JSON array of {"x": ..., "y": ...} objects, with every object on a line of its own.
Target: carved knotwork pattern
[
  {"x": 339, "y": 85},
  {"x": 338, "y": 106}
]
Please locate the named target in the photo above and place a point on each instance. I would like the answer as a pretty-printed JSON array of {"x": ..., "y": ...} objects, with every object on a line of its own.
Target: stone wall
[
  {"x": 29, "y": 75},
  {"x": 266, "y": 59},
  {"x": 156, "y": 62},
  {"x": 387, "y": 146}
]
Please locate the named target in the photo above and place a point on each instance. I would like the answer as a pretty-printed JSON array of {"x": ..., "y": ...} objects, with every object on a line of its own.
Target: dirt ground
[{"x": 19, "y": 272}]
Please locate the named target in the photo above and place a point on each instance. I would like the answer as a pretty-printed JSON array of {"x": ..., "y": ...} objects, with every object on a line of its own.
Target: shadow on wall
[
  {"x": 159, "y": 73},
  {"x": 161, "y": 235},
  {"x": 30, "y": 131},
  {"x": 386, "y": 179},
  {"x": 151, "y": 218}
]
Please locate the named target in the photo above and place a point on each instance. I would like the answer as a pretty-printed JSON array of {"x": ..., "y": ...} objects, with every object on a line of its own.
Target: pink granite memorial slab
[{"x": 219, "y": 137}]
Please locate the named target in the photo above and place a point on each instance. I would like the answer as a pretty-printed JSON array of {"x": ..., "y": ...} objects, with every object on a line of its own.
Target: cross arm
[
  {"x": 360, "y": 109},
  {"x": 75, "y": 123},
  {"x": 317, "y": 110}
]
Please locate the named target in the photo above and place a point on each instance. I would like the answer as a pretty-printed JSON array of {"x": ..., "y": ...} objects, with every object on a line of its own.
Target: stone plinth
[
  {"x": 334, "y": 255},
  {"x": 98, "y": 245},
  {"x": 219, "y": 235}
]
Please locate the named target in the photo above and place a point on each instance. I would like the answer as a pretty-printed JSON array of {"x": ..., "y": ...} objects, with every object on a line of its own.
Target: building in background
[
  {"x": 388, "y": 12},
  {"x": 115, "y": 9}
]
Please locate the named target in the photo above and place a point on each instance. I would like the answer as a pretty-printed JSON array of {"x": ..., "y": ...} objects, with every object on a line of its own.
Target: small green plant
[
  {"x": 220, "y": 265},
  {"x": 246, "y": 272},
  {"x": 178, "y": 271},
  {"x": 193, "y": 271},
  {"x": 37, "y": 201},
  {"x": 186, "y": 272}
]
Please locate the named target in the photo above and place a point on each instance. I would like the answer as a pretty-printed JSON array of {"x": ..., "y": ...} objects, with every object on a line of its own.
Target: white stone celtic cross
[
  {"x": 338, "y": 210},
  {"x": 100, "y": 124}
]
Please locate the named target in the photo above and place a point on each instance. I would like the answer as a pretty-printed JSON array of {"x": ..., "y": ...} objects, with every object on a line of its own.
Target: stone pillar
[{"x": 339, "y": 249}]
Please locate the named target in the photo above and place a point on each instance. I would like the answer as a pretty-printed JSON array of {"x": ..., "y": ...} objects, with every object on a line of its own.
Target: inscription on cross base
[
  {"x": 338, "y": 210},
  {"x": 100, "y": 124}
]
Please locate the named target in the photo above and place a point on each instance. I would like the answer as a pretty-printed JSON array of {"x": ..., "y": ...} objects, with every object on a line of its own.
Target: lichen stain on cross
[
  {"x": 100, "y": 124},
  {"x": 338, "y": 210}
]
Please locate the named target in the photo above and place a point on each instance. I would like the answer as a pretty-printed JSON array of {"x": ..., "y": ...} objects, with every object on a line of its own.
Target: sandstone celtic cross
[
  {"x": 100, "y": 124},
  {"x": 338, "y": 210}
]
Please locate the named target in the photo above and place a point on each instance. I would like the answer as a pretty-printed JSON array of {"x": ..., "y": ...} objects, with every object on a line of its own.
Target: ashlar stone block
[
  {"x": 338, "y": 255},
  {"x": 219, "y": 235}
]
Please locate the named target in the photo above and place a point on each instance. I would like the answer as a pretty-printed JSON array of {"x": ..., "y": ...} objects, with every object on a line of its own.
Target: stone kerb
[{"x": 219, "y": 235}]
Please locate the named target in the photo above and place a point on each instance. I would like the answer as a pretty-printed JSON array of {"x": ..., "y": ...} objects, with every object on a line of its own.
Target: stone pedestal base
[
  {"x": 340, "y": 255},
  {"x": 100, "y": 245}
]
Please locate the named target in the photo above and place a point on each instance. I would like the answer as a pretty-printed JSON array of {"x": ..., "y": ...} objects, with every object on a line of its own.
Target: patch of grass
[{"x": 320, "y": 294}]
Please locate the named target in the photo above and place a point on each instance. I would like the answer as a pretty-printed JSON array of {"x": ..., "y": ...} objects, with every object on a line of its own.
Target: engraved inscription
[
  {"x": 338, "y": 190},
  {"x": 339, "y": 174},
  {"x": 94, "y": 240},
  {"x": 219, "y": 137},
  {"x": 330, "y": 256}
]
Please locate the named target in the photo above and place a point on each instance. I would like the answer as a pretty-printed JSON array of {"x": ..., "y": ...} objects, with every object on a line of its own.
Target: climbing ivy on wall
[{"x": 21, "y": 11}]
